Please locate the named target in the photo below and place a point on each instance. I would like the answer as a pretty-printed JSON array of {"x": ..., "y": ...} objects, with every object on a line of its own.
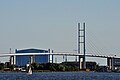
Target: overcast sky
[{"x": 53, "y": 24}]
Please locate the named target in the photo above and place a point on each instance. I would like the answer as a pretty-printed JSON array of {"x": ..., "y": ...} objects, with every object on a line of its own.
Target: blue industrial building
[{"x": 23, "y": 60}]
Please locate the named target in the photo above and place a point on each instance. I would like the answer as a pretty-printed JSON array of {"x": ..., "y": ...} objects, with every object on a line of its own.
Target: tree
[
  {"x": 35, "y": 65},
  {"x": 2, "y": 66},
  {"x": 61, "y": 68}
]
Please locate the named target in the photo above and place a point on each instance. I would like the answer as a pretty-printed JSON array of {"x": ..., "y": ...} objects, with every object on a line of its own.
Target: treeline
[
  {"x": 65, "y": 66},
  {"x": 4, "y": 66},
  {"x": 55, "y": 67}
]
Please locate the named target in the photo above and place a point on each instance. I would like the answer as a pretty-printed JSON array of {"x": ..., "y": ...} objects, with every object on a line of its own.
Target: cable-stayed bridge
[
  {"x": 111, "y": 60},
  {"x": 82, "y": 51}
]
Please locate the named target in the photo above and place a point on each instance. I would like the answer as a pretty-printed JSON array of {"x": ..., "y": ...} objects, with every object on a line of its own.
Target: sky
[{"x": 52, "y": 24}]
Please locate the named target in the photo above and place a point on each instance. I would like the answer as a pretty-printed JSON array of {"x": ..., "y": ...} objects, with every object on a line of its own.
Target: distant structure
[{"x": 23, "y": 60}]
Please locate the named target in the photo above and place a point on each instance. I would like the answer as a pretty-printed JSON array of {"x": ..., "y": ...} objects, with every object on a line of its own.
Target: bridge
[
  {"x": 111, "y": 60},
  {"x": 68, "y": 54}
]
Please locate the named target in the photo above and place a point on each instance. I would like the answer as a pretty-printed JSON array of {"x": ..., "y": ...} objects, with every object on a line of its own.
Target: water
[{"x": 59, "y": 76}]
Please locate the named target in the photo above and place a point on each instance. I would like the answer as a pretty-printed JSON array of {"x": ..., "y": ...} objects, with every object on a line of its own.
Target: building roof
[{"x": 31, "y": 50}]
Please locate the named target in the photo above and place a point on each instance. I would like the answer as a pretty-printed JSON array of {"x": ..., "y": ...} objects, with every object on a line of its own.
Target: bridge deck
[{"x": 67, "y": 54}]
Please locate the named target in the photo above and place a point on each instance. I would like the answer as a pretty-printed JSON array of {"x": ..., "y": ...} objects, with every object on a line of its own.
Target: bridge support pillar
[
  {"x": 52, "y": 56},
  {"x": 31, "y": 59},
  {"x": 80, "y": 62},
  {"x": 12, "y": 60},
  {"x": 110, "y": 63},
  {"x": 84, "y": 63}
]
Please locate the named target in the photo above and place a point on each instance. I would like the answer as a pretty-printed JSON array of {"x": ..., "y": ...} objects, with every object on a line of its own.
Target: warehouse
[{"x": 23, "y": 60}]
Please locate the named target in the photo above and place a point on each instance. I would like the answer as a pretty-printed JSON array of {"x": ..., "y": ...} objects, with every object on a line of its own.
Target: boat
[{"x": 29, "y": 70}]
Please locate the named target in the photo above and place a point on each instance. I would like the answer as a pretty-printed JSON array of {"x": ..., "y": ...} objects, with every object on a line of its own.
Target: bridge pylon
[{"x": 81, "y": 45}]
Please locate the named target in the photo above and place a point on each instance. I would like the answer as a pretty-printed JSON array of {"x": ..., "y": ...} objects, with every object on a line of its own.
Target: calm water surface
[{"x": 59, "y": 76}]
